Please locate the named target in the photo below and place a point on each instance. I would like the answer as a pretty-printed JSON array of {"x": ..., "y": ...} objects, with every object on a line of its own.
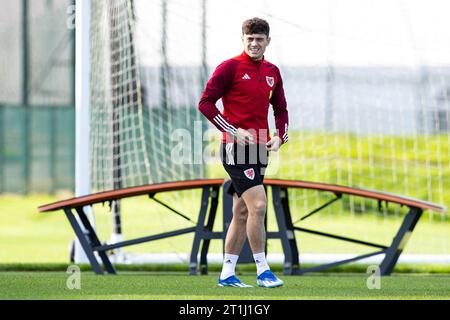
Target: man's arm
[
  {"x": 280, "y": 111},
  {"x": 216, "y": 87}
]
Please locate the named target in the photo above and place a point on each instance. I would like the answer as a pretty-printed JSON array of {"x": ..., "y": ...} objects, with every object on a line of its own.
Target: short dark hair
[{"x": 255, "y": 25}]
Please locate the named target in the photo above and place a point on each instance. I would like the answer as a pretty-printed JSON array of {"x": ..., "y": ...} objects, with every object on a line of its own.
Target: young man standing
[{"x": 247, "y": 85}]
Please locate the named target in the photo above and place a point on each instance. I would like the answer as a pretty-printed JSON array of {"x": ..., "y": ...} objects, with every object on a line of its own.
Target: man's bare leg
[
  {"x": 256, "y": 202},
  {"x": 237, "y": 233},
  {"x": 235, "y": 238}
]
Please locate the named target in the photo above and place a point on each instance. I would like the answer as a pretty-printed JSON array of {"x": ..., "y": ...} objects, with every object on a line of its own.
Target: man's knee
[
  {"x": 255, "y": 199},
  {"x": 259, "y": 207}
]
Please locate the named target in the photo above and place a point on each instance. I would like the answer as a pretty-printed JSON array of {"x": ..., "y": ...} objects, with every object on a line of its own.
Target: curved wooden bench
[{"x": 209, "y": 199}]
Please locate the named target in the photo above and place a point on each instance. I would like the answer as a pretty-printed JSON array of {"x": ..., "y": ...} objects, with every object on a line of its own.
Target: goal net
[{"x": 367, "y": 86}]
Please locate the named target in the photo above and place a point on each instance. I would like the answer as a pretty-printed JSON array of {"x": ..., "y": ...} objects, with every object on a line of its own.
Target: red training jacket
[{"x": 246, "y": 87}]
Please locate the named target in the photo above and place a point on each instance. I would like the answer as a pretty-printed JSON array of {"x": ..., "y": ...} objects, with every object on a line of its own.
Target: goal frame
[{"x": 82, "y": 108}]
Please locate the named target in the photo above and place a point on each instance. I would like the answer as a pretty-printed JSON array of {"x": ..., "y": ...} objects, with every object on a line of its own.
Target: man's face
[{"x": 255, "y": 45}]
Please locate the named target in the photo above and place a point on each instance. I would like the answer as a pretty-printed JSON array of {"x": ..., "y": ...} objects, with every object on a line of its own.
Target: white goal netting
[{"x": 368, "y": 91}]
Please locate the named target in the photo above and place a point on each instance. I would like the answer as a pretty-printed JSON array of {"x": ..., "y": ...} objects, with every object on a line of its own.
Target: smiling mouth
[{"x": 254, "y": 51}]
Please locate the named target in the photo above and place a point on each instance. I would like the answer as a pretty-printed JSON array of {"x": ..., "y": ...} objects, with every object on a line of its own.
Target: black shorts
[{"x": 246, "y": 165}]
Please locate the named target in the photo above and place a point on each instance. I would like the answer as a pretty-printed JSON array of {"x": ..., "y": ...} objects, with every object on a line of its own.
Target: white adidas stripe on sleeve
[{"x": 224, "y": 124}]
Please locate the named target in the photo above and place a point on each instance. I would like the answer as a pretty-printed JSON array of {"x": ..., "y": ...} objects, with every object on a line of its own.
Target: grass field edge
[{"x": 247, "y": 268}]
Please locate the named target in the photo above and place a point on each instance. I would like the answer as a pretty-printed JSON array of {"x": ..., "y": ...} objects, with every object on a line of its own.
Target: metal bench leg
[
  {"x": 199, "y": 230},
  {"x": 95, "y": 241},
  {"x": 84, "y": 241},
  {"x": 286, "y": 229},
  {"x": 209, "y": 227},
  {"x": 400, "y": 240}
]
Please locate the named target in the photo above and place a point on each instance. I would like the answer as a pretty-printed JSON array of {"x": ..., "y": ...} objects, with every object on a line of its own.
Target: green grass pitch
[
  {"x": 34, "y": 247},
  {"x": 179, "y": 286}
]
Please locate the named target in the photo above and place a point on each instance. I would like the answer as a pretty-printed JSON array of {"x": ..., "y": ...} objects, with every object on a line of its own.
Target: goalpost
[
  {"x": 368, "y": 104},
  {"x": 82, "y": 105},
  {"x": 114, "y": 128}
]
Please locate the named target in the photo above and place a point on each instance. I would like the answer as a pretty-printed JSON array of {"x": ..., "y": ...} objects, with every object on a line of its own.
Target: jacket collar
[{"x": 246, "y": 57}]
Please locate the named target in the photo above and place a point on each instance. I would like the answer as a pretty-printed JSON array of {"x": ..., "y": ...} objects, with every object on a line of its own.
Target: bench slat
[
  {"x": 377, "y": 195},
  {"x": 193, "y": 184},
  {"x": 129, "y": 192}
]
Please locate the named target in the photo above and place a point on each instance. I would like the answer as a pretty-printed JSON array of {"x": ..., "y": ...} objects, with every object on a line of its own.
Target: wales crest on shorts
[{"x": 250, "y": 173}]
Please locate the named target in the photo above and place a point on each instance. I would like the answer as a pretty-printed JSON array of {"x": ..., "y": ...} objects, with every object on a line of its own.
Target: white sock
[
  {"x": 261, "y": 262},
  {"x": 229, "y": 265}
]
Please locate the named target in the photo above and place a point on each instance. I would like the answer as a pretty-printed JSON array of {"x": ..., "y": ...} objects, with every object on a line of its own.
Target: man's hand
[
  {"x": 244, "y": 137},
  {"x": 274, "y": 144}
]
